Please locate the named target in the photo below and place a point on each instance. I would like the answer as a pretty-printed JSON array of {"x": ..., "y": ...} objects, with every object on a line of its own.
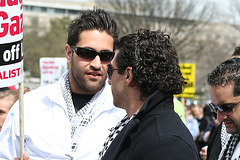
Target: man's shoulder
[
  {"x": 43, "y": 92},
  {"x": 37, "y": 91}
]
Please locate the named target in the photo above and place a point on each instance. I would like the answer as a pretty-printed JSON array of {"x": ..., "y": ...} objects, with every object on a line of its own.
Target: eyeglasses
[
  {"x": 90, "y": 54},
  {"x": 110, "y": 70},
  {"x": 224, "y": 108}
]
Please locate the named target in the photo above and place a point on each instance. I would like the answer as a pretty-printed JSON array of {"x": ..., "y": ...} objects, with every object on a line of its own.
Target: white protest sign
[
  {"x": 51, "y": 69},
  {"x": 11, "y": 35}
]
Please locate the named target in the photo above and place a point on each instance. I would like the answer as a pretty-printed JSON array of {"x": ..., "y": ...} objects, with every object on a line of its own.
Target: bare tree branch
[{"x": 182, "y": 19}]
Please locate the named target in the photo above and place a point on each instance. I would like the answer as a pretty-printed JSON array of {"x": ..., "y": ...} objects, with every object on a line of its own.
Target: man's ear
[
  {"x": 68, "y": 52},
  {"x": 129, "y": 76}
]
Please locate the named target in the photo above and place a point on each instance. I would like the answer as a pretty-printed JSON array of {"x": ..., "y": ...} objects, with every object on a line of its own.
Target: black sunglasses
[
  {"x": 224, "y": 108},
  {"x": 90, "y": 54},
  {"x": 110, "y": 70}
]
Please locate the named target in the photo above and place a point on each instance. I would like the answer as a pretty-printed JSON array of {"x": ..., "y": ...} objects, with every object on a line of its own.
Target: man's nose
[
  {"x": 221, "y": 116},
  {"x": 96, "y": 62}
]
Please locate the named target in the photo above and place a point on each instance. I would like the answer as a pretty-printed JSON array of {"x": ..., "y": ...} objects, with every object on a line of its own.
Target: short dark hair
[
  {"x": 154, "y": 62},
  {"x": 236, "y": 51},
  {"x": 92, "y": 19},
  {"x": 228, "y": 72}
]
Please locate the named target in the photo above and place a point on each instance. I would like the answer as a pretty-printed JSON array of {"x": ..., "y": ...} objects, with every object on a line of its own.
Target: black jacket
[
  {"x": 214, "y": 144},
  {"x": 156, "y": 133}
]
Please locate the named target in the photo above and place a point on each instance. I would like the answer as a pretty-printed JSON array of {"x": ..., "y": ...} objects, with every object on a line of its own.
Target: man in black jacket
[
  {"x": 144, "y": 75},
  {"x": 219, "y": 136},
  {"x": 224, "y": 91}
]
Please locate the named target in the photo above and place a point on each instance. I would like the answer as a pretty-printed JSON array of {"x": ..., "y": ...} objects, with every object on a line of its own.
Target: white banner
[
  {"x": 51, "y": 69},
  {"x": 11, "y": 35}
]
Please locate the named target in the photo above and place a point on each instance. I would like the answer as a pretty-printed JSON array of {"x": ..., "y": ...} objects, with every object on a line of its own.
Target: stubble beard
[{"x": 87, "y": 85}]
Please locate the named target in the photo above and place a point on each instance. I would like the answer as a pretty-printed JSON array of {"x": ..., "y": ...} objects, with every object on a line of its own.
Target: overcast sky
[
  {"x": 225, "y": 11},
  {"x": 222, "y": 6}
]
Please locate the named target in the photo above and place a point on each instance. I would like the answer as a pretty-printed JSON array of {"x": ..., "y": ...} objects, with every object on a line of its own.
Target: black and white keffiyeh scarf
[
  {"x": 114, "y": 134},
  {"x": 224, "y": 135},
  {"x": 81, "y": 119},
  {"x": 228, "y": 149}
]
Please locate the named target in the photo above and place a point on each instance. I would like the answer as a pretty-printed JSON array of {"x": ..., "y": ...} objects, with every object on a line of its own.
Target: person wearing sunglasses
[
  {"x": 144, "y": 74},
  {"x": 71, "y": 118},
  {"x": 219, "y": 137},
  {"x": 224, "y": 92}
]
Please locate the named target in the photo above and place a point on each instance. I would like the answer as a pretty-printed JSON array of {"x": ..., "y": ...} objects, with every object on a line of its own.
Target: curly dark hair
[
  {"x": 154, "y": 62},
  {"x": 228, "y": 72},
  {"x": 92, "y": 19},
  {"x": 236, "y": 52}
]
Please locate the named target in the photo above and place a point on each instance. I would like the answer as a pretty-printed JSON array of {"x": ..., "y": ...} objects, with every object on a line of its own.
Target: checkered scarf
[
  {"x": 81, "y": 119},
  {"x": 229, "y": 148},
  {"x": 113, "y": 134},
  {"x": 224, "y": 135}
]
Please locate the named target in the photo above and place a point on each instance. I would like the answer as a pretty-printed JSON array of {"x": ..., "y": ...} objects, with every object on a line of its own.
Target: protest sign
[
  {"x": 11, "y": 36},
  {"x": 188, "y": 72},
  {"x": 51, "y": 69}
]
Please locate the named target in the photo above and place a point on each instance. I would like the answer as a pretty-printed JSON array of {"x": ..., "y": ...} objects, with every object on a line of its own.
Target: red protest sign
[{"x": 11, "y": 35}]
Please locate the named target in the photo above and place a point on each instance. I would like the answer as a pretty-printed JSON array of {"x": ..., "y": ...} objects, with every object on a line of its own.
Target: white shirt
[
  {"x": 236, "y": 153},
  {"x": 47, "y": 129}
]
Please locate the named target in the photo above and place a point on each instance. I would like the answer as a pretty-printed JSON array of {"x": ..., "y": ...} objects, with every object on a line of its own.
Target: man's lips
[
  {"x": 228, "y": 123},
  {"x": 94, "y": 74}
]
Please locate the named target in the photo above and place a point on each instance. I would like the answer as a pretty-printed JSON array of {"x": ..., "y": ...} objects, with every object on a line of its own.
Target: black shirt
[{"x": 79, "y": 100}]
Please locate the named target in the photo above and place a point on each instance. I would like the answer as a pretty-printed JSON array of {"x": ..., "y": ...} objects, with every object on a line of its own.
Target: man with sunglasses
[
  {"x": 215, "y": 143},
  {"x": 71, "y": 118},
  {"x": 224, "y": 91},
  {"x": 144, "y": 75}
]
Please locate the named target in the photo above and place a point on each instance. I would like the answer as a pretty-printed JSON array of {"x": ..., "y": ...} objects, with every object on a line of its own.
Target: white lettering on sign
[
  {"x": 11, "y": 55},
  {"x": 11, "y": 37}
]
